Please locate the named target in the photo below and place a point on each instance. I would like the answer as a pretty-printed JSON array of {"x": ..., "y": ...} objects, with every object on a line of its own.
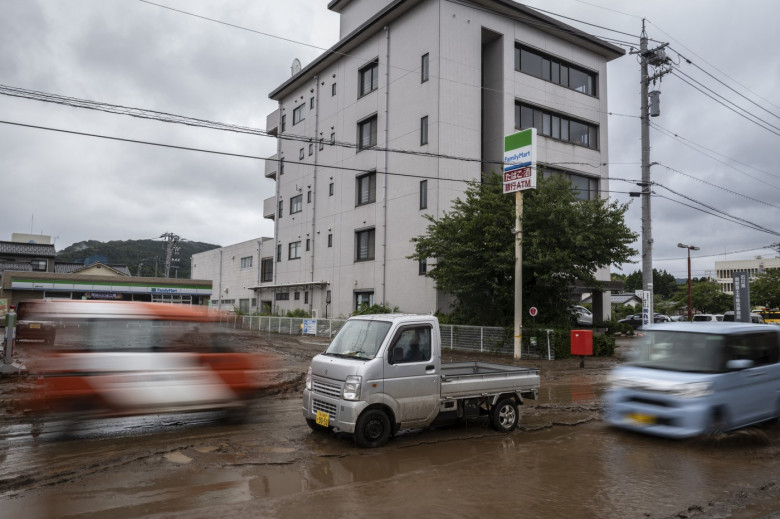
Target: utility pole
[
  {"x": 171, "y": 251},
  {"x": 657, "y": 58}
]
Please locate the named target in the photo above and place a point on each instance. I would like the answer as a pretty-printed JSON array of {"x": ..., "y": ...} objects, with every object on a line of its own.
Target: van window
[
  {"x": 680, "y": 351},
  {"x": 762, "y": 348}
]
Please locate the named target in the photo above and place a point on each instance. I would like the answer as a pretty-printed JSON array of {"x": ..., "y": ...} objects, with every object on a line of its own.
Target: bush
[
  {"x": 298, "y": 312},
  {"x": 614, "y": 327},
  {"x": 375, "y": 309},
  {"x": 603, "y": 346}
]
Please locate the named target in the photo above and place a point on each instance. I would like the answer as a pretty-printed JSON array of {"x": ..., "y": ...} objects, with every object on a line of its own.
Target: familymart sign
[{"x": 520, "y": 161}]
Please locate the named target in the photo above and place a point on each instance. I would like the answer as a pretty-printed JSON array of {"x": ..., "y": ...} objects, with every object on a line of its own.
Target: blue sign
[{"x": 310, "y": 326}]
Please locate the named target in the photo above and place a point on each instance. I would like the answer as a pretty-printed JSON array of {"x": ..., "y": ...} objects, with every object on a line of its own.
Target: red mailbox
[{"x": 582, "y": 342}]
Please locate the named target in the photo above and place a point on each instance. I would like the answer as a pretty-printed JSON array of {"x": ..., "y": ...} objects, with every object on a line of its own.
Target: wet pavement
[{"x": 561, "y": 462}]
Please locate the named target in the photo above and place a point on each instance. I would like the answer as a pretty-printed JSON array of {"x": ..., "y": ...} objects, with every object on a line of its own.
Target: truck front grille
[
  {"x": 325, "y": 388},
  {"x": 319, "y": 405}
]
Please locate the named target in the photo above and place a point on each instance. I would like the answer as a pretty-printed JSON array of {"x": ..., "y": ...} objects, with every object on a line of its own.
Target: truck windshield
[
  {"x": 680, "y": 351},
  {"x": 359, "y": 339}
]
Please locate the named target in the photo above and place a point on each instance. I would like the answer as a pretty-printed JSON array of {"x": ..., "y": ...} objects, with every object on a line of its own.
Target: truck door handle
[{"x": 430, "y": 367}]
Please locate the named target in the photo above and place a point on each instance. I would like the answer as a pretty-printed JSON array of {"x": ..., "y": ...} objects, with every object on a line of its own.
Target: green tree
[
  {"x": 664, "y": 284},
  {"x": 765, "y": 289},
  {"x": 706, "y": 297},
  {"x": 564, "y": 239}
]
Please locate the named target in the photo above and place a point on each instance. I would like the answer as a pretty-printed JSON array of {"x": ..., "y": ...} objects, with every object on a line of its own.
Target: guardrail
[{"x": 485, "y": 339}]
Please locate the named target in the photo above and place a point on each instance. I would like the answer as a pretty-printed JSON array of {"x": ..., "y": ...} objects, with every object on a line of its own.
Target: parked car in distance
[
  {"x": 689, "y": 379},
  {"x": 678, "y": 318},
  {"x": 707, "y": 318},
  {"x": 635, "y": 320},
  {"x": 754, "y": 317},
  {"x": 581, "y": 315}
]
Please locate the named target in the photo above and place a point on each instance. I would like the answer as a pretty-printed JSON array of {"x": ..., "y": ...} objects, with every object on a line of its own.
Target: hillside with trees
[{"x": 142, "y": 257}]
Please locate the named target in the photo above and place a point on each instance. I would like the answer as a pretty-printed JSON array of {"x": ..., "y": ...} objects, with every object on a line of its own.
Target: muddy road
[{"x": 561, "y": 462}]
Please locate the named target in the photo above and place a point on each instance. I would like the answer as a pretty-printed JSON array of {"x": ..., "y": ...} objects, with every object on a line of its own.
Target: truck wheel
[
  {"x": 504, "y": 415},
  {"x": 372, "y": 429}
]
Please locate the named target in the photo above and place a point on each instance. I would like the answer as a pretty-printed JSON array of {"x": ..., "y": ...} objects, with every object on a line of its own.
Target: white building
[
  {"x": 725, "y": 270},
  {"x": 235, "y": 271},
  {"x": 391, "y": 122}
]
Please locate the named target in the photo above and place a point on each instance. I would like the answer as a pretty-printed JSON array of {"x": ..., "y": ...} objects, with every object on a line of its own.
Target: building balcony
[
  {"x": 271, "y": 165},
  {"x": 272, "y": 123},
  {"x": 269, "y": 208}
]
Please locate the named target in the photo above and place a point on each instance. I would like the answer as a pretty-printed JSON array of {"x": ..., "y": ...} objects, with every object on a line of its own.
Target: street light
[{"x": 690, "y": 248}]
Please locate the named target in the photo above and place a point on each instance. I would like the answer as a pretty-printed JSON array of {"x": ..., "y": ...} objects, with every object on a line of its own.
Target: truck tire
[
  {"x": 504, "y": 416},
  {"x": 373, "y": 429}
]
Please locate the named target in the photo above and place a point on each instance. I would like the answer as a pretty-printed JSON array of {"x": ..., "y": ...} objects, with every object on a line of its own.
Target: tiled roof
[
  {"x": 27, "y": 249},
  {"x": 21, "y": 267},
  {"x": 68, "y": 268}
]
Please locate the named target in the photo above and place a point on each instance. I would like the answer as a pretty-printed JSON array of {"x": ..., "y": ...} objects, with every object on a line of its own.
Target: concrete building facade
[
  {"x": 391, "y": 123},
  {"x": 235, "y": 271},
  {"x": 725, "y": 270}
]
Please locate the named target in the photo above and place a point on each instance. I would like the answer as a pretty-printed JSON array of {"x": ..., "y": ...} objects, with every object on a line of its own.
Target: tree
[
  {"x": 706, "y": 297},
  {"x": 664, "y": 284},
  {"x": 564, "y": 239},
  {"x": 765, "y": 289}
]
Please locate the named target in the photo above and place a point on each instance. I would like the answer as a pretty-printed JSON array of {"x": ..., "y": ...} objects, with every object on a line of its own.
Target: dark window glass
[
  {"x": 365, "y": 187},
  {"x": 333, "y": 89},
  {"x": 367, "y": 133},
  {"x": 424, "y": 69},
  {"x": 298, "y": 114},
  {"x": 424, "y": 130},
  {"x": 294, "y": 250},
  {"x": 296, "y": 204},
  {"x": 368, "y": 78},
  {"x": 267, "y": 270},
  {"x": 423, "y": 194},
  {"x": 530, "y": 63},
  {"x": 364, "y": 245}
]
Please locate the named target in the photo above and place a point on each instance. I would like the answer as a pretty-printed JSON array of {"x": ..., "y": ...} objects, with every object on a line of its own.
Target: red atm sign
[{"x": 520, "y": 161}]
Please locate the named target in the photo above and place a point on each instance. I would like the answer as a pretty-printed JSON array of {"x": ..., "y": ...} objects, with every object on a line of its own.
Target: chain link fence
[{"x": 536, "y": 343}]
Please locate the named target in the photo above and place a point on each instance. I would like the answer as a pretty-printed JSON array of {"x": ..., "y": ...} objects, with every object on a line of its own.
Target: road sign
[
  {"x": 310, "y": 327},
  {"x": 533, "y": 311}
]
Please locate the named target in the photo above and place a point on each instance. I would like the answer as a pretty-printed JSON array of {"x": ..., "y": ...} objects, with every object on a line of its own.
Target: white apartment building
[
  {"x": 725, "y": 270},
  {"x": 390, "y": 124},
  {"x": 235, "y": 272}
]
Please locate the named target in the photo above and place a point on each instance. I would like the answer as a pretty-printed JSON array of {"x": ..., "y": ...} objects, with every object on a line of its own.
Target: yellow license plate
[
  {"x": 644, "y": 419},
  {"x": 35, "y": 325},
  {"x": 323, "y": 418}
]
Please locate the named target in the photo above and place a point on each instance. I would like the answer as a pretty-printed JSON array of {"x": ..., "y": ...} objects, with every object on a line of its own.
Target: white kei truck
[{"x": 383, "y": 373}]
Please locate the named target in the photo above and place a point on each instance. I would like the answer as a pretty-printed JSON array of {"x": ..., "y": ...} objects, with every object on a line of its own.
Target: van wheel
[
  {"x": 718, "y": 424},
  {"x": 372, "y": 429},
  {"x": 504, "y": 416}
]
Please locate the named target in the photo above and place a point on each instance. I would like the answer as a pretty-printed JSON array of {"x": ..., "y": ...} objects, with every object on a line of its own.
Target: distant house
[{"x": 621, "y": 299}]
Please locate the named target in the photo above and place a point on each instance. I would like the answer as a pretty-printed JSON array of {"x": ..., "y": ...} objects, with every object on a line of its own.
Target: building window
[
  {"x": 283, "y": 296},
  {"x": 424, "y": 68},
  {"x": 423, "y": 194},
  {"x": 294, "y": 250},
  {"x": 333, "y": 89},
  {"x": 311, "y": 103},
  {"x": 281, "y": 167},
  {"x": 279, "y": 252},
  {"x": 554, "y": 70},
  {"x": 330, "y": 240},
  {"x": 266, "y": 270},
  {"x": 585, "y": 188},
  {"x": 296, "y": 204},
  {"x": 308, "y": 197},
  {"x": 298, "y": 114},
  {"x": 322, "y": 144},
  {"x": 367, "y": 133},
  {"x": 365, "y": 189},
  {"x": 363, "y": 299},
  {"x": 281, "y": 208},
  {"x": 368, "y": 78},
  {"x": 284, "y": 122},
  {"x": 306, "y": 298},
  {"x": 308, "y": 244},
  {"x": 311, "y": 149},
  {"x": 557, "y": 126},
  {"x": 246, "y": 262},
  {"x": 301, "y": 154},
  {"x": 297, "y": 296},
  {"x": 39, "y": 265},
  {"x": 422, "y": 267},
  {"x": 424, "y": 130},
  {"x": 332, "y": 138},
  {"x": 330, "y": 189},
  {"x": 364, "y": 245}
]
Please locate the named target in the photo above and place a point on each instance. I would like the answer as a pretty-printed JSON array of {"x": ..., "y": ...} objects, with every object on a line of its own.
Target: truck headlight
[
  {"x": 352, "y": 387},
  {"x": 308, "y": 379}
]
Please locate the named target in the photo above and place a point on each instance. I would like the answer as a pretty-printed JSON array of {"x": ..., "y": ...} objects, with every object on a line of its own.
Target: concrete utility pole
[
  {"x": 657, "y": 58},
  {"x": 171, "y": 251}
]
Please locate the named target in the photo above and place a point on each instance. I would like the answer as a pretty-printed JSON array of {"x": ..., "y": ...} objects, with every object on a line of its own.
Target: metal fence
[{"x": 536, "y": 344}]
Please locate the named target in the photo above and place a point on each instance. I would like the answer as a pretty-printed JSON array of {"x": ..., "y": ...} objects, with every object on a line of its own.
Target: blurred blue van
[{"x": 690, "y": 379}]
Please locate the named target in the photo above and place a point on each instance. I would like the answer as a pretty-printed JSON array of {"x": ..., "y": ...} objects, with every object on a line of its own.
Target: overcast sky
[{"x": 136, "y": 54}]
